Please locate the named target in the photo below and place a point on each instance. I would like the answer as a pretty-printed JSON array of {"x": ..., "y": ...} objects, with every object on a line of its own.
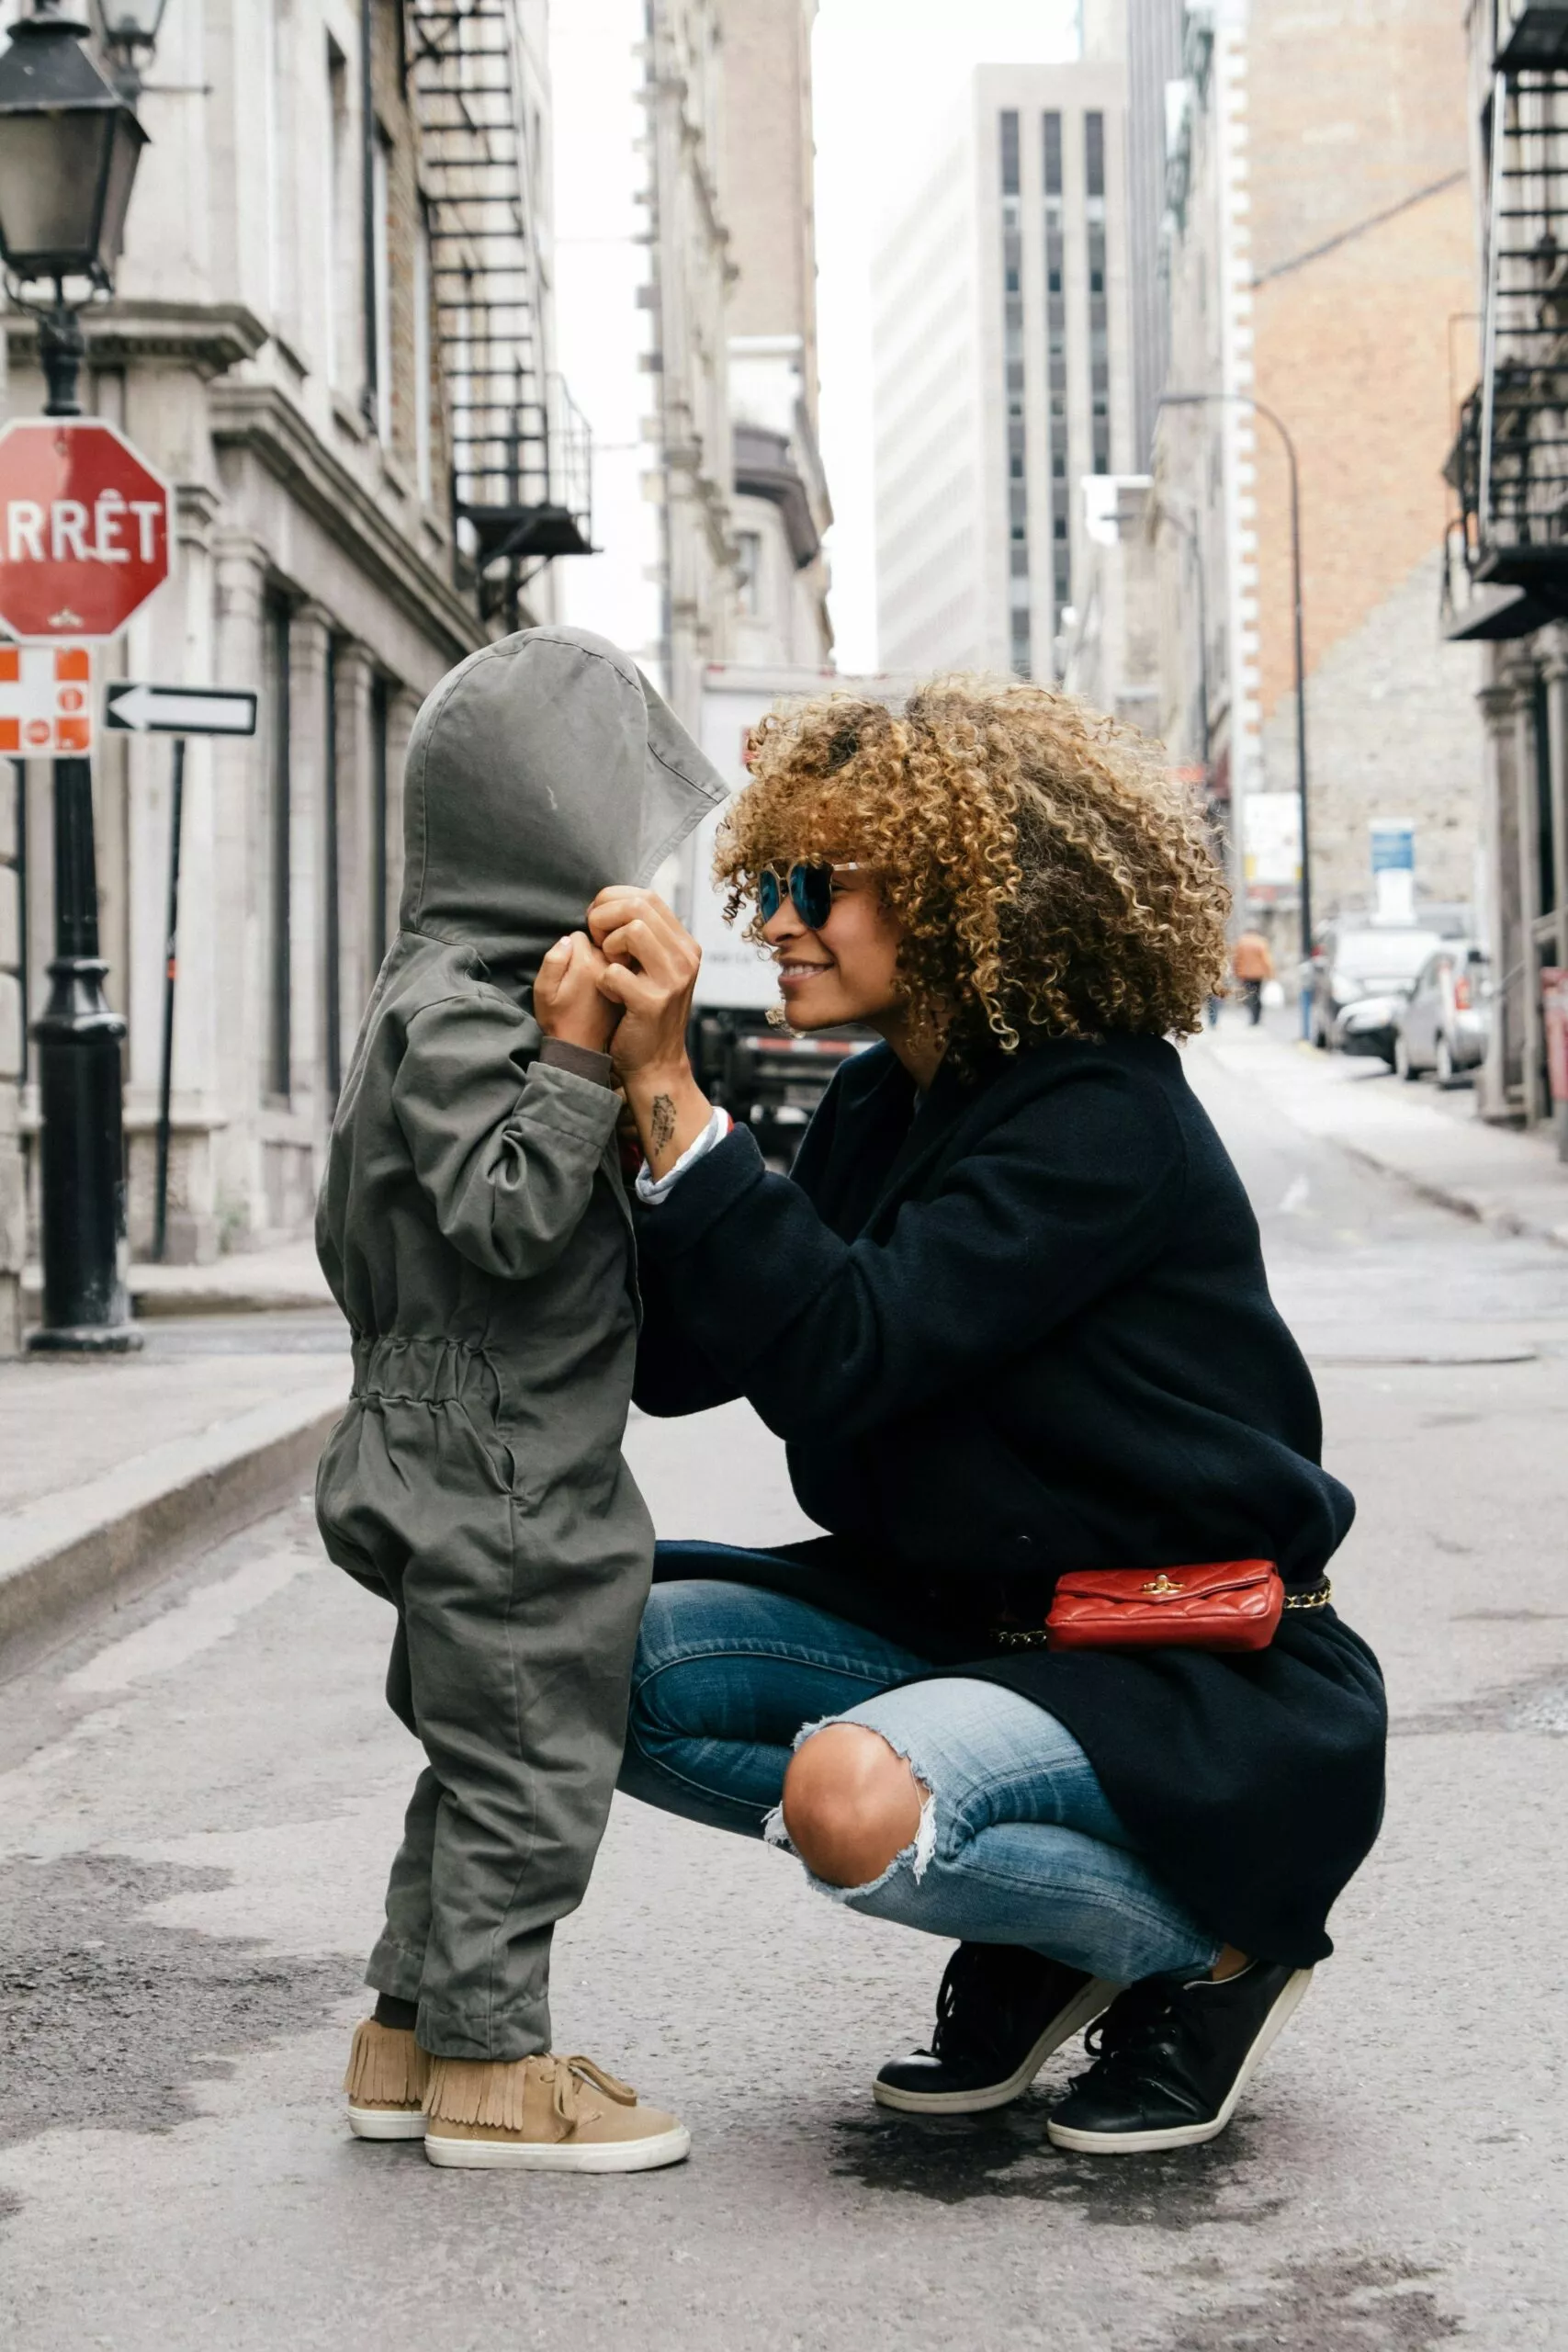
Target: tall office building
[{"x": 1002, "y": 364}]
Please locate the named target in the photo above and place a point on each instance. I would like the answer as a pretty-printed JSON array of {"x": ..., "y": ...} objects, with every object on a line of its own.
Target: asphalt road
[{"x": 199, "y": 1798}]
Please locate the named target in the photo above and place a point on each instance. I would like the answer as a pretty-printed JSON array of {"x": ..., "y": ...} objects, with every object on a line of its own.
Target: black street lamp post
[
  {"x": 1260, "y": 408},
  {"x": 69, "y": 148}
]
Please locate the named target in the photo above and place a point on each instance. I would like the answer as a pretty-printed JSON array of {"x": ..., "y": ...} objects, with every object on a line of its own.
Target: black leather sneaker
[
  {"x": 1172, "y": 2059},
  {"x": 1001, "y": 2013}
]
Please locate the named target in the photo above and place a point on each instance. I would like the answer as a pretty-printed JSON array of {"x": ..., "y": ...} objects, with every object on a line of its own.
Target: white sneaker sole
[
  {"x": 1095, "y": 1995},
  {"x": 387, "y": 2122},
  {"x": 1190, "y": 2135},
  {"x": 543, "y": 2156}
]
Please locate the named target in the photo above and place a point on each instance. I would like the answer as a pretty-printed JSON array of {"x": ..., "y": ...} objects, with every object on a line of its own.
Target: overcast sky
[{"x": 885, "y": 75}]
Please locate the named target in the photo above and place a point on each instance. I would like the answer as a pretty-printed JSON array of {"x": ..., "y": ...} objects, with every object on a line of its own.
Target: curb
[
  {"x": 146, "y": 1305},
  {"x": 153, "y": 1300},
  {"x": 1512, "y": 1222},
  {"x": 61, "y": 1552},
  {"x": 1501, "y": 1201}
]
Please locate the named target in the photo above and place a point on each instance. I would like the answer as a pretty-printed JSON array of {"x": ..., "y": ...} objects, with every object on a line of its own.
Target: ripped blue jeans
[{"x": 1017, "y": 1842}]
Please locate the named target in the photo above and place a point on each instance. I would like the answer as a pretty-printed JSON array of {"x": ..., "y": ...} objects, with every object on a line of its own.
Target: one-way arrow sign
[{"x": 181, "y": 710}]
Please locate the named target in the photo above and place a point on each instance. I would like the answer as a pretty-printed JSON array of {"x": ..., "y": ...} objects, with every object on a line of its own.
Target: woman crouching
[{"x": 1010, "y": 1312}]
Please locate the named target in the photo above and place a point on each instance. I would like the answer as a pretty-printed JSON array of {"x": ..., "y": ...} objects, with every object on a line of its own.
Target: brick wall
[
  {"x": 1354, "y": 109},
  {"x": 1392, "y": 732}
]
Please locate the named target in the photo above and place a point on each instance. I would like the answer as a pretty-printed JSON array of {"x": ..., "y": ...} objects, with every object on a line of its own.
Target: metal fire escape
[
  {"x": 1507, "y": 572},
  {"x": 519, "y": 449}
]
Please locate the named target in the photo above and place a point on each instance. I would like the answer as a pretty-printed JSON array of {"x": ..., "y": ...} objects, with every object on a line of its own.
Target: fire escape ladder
[
  {"x": 521, "y": 460},
  {"x": 1508, "y": 551}
]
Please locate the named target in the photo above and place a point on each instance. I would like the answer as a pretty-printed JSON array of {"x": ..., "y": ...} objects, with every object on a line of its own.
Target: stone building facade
[
  {"x": 780, "y": 507},
  {"x": 1003, "y": 377},
  {"x": 1111, "y": 656},
  {"x": 1321, "y": 265},
  {"x": 304, "y": 339},
  {"x": 1507, "y": 586},
  {"x": 690, "y": 276}
]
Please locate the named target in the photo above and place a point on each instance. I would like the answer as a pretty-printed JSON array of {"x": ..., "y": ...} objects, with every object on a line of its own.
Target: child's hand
[{"x": 567, "y": 1002}]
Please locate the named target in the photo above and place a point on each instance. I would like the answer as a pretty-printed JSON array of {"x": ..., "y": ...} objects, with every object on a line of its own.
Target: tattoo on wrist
[{"x": 662, "y": 1120}]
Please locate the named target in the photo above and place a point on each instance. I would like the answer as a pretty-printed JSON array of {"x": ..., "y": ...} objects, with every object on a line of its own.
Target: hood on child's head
[{"x": 540, "y": 769}]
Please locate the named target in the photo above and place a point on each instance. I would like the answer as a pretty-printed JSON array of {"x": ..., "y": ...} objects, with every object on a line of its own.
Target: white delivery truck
[{"x": 760, "y": 1074}]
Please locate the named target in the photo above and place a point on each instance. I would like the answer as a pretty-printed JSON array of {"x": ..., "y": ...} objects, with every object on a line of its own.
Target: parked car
[
  {"x": 1444, "y": 1020},
  {"x": 1356, "y": 960},
  {"x": 1368, "y": 1026}
]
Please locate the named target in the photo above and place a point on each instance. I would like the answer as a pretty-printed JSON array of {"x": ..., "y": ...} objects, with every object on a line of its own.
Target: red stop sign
[{"x": 85, "y": 528}]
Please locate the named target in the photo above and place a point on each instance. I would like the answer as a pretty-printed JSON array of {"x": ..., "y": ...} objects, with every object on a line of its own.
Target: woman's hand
[
  {"x": 650, "y": 971},
  {"x": 568, "y": 1000}
]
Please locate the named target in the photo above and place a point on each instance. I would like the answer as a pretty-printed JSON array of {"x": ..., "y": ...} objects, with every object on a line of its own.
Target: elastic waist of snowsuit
[{"x": 426, "y": 1372}]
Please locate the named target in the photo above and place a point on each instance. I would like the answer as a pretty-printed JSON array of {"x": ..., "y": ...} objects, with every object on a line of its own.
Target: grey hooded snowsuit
[{"x": 475, "y": 1231}]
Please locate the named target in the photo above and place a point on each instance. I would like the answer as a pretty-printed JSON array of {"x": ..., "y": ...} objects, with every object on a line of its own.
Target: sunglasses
[{"x": 808, "y": 885}]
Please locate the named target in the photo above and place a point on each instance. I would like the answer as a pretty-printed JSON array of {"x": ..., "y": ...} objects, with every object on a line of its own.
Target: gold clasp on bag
[{"x": 1162, "y": 1588}]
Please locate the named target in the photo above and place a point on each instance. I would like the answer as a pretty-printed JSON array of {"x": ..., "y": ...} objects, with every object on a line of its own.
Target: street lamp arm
[{"x": 1240, "y": 399}]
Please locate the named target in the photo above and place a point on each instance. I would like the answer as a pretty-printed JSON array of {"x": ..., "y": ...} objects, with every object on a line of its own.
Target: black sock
[{"x": 399, "y": 2015}]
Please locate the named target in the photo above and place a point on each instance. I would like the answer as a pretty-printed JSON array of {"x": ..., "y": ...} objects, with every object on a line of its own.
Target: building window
[
  {"x": 378, "y": 260},
  {"x": 342, "y": 343},
  {"x": 1099, "y": 327},
  {"x": 380, "y": 710},
  {"x": 749, "y": 573},
  {"x": 280, "y": 976},
  {"x": 1053, "y": 131},
  {"x": 1017, "y": 450},
  {"x": 1056, "y": 365},
  {"x": 423, "y": 387},
  {"x": 279, "y": 182},
  {"x": 332, "y": 912},
  {"x": 1009, "y": 153}
]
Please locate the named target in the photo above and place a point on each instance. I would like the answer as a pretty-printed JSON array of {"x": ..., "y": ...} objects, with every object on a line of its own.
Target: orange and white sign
[{"x": 46, "y": 701}]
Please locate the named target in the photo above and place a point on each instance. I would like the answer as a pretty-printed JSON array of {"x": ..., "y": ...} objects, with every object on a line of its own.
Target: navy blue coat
[{"x": 1019, "y": 1326}]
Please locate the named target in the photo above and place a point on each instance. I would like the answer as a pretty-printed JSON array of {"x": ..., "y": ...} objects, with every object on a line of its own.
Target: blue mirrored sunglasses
[{"x": 808, "y": 885}]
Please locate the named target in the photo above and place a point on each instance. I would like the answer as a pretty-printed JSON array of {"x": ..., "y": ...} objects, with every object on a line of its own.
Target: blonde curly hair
[{"x": 1047, "y": 872}]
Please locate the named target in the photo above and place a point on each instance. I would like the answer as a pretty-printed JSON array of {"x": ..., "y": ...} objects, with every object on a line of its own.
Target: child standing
[{"x": 474, "y": 1228}]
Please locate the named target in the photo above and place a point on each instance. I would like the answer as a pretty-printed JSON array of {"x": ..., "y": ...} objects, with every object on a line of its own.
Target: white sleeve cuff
[{"x": 651, "y": 1191}]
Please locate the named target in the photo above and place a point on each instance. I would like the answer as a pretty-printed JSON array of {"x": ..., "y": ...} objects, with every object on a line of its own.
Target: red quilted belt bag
[{"x": 1222, "y": 1605}]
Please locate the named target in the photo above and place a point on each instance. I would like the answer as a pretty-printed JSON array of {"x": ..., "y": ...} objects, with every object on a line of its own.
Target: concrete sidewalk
[
  {"x": 113, "y": 1468},
  {"x": 1513, "y": 1183},
  {"x": 285, "y": 1279}
]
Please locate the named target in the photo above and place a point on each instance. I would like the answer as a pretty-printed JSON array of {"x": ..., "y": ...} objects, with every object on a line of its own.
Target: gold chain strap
[{"x": 1319, "y": 1599}]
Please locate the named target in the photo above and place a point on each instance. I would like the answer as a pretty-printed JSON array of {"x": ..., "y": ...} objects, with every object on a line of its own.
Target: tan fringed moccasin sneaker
[
  {"x": 388, "y": 2073},
  {"x": 544, "y": 2114}
]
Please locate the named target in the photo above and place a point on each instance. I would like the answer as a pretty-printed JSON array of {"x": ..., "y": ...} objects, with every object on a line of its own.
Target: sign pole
[
  {"x": 80, "y": 1142},
  {"x": 171, "y": 973}
]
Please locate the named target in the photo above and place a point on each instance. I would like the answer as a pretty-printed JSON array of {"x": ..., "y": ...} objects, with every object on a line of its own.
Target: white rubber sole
[
  {"x": 1095, "y": 1995},
  {"x": 1190, "y": 2135},
  {"x": 387, "y": 2123},
  {"x": 543, "y": 2156}
]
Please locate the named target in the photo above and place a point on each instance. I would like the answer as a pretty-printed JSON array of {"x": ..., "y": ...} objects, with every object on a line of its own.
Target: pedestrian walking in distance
[
  {"x": 1061, "y": 1679},
  {"x": 475, "y": 1230},
  {"x": 1252, "y": 965}
]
